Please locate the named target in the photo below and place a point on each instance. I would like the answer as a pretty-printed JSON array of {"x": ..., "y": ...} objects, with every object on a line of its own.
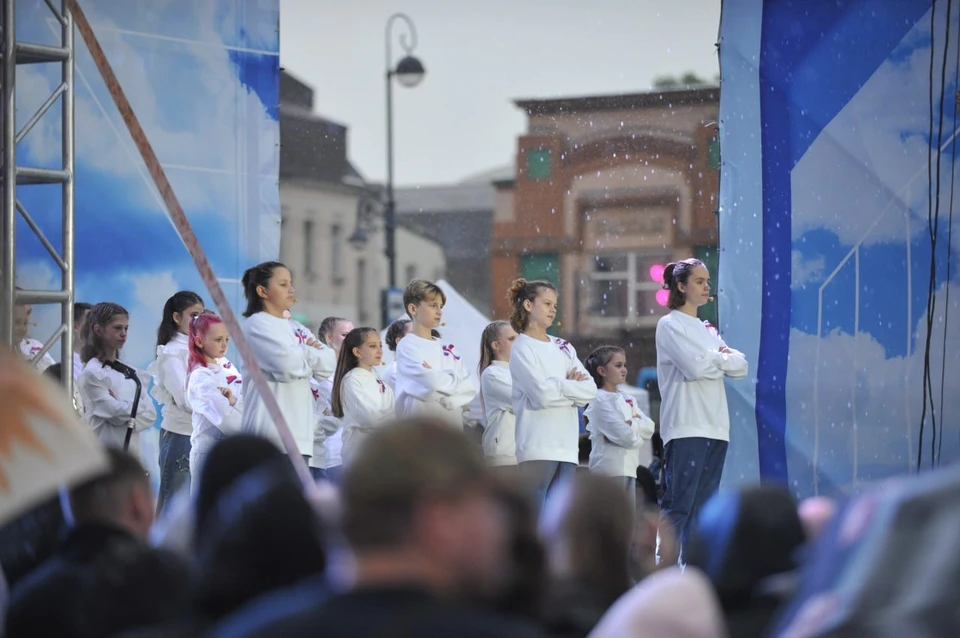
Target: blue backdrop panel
[
  {"x": 837, "y": 256},
  {"x": 203, "y": 78}
]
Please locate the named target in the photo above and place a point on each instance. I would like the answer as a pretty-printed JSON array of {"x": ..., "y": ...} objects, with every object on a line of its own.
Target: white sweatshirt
[
  {"x": 209, "y": 408},
  {"x": 442, "y": 390},
  {"x": 389, "y": 375},
  {"x": 499, "y": 433},
  {"x": 77, "y": 367},
  {"x": 29, "y": 349},
  {"x": 617, "y": 430},
  {"x": 368, "y": 404},
  {"x": 328, "y": 436},
  {"x": 169, "y": 372},
  {"x": 545, "y": 401},
  {"x": 690, "y": 371},
  {"x": 108, "y": 400},
  {"x": 287, "y": 365}
]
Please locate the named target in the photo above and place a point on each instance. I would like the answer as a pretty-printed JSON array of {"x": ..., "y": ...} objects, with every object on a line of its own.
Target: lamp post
[{"x": 409, "y": 72}]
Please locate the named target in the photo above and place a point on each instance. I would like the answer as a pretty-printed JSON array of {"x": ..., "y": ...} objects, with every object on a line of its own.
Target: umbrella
[{"x": 43, "y": 444}]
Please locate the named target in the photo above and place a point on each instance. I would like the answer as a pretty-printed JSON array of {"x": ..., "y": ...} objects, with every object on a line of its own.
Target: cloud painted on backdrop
[
  {"x": 215, "y": 132},
  {"x": 881, "y": 393}
]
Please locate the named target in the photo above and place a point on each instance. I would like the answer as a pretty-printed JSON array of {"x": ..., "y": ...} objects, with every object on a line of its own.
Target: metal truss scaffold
[{"x": 14, "y": 54}]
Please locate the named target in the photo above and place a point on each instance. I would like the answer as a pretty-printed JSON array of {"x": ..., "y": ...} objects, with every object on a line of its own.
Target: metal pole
[
  {"x": 391, "y": 207},
  {"x": 67, "y": 111},
  {"x": 8, "y": 221}
]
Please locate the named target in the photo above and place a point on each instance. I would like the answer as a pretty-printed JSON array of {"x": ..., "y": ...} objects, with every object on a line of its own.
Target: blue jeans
[
  {"x": 331, "y": 474},
  {"x": 692, "y": 471},
  {"x": 174, "y": 466},
  {"x": 544, "y": 476}
]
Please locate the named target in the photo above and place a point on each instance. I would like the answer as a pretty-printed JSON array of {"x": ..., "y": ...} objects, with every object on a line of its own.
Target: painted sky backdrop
[
  {"x": 202, "y": 76},
  {"x": 845, "y": 150}
]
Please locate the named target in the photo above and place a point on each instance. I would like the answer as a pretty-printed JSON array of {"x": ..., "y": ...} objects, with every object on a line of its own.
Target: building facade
[
  {"x": 324, "y": 203},
  {"x": 459, "y": 217},
  {"x": 607, "y": 191}
]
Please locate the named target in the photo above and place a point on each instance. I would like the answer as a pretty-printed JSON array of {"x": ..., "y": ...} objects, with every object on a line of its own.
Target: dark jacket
[
  {"x": 102, "y": 581},
  {"x": 377, "y": 612}
]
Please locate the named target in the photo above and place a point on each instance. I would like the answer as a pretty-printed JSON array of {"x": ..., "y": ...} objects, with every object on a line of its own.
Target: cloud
[
  {"x": 857, "y": 383},
  {"x": 869, "y": 164},
  {"x": 212, "y": 133},
  {"x": 804, "y": 270}
]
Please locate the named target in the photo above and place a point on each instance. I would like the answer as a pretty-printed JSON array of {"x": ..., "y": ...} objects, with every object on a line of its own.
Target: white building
[{"x": 324, "y": 203}]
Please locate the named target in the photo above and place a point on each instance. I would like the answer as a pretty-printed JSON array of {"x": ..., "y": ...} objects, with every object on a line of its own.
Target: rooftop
[{"x": 673, "y": 97}]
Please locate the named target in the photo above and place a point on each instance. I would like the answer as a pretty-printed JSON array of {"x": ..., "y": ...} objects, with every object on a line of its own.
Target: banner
[
  {"x": 203, "y": 78},
  {"x": 838, "y": 268}
]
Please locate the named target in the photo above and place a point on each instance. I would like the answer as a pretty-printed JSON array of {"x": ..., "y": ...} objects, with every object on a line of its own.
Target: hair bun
[
  {"x": 515, "y": 290},
  {"x": 668, "y": 275}
]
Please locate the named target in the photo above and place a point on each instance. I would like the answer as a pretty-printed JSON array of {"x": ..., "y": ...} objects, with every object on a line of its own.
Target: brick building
[{"x": 606, "y": 189}]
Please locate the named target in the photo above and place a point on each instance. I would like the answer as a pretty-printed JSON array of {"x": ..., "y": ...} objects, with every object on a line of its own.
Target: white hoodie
[
  {"x": 500, "y": 432},
  {"x": 209, "y": 408},
  {"x": 617, "y": 431},
  {"x": 389, "y": 375},
  {"x": 442, "y": 390},
  {"x": 169, "y": 372},
  {"x": 545, "y": 401},
  {"x": 367, "y": 403},
  {"x": 108, "y": 401},
  {"x": 690, "y": 371},
  {"x": 287, "y": 364},
  {"x": 29, "y": 349},
  {"x": 328, "y": 439}
]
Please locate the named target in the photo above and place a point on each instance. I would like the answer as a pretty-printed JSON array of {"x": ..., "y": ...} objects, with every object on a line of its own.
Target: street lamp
[{"x": 409, "y": 72}]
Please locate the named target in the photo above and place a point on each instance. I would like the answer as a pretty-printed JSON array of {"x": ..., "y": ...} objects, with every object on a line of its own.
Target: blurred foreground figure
[
  {"x": 425, "y": 529},
  {"x": 104, "y": 579},
  {"x": 748, "y": 542},
  {"x": 587, "y": 527},
  {"x": 669, "y": 604}
]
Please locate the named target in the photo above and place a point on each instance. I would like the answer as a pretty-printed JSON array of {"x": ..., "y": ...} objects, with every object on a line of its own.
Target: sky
[{"x": 479, "y": 57}]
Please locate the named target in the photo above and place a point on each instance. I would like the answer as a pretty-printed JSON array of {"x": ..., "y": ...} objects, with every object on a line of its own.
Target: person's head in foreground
[
  {"x": 419, "y": 507},
  {"x": 120, "y": 498}
]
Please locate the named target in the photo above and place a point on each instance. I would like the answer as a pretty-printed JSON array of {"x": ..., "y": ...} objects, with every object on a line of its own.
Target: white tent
[{"x": 464, "y": 327}]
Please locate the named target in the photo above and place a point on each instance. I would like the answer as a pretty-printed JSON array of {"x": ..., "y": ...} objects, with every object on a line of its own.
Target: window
[
  {"x": 713, "y": 153},
  {"x": 543, "y": 266},
  {"x": 622, "y": 285},
  {"x": 538, "y": 163},
  {"x": 336, "y": 250},
  {"x": 308, "y": 264}
]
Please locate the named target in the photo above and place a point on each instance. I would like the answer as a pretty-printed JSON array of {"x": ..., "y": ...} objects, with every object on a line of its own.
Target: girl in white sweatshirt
[
  {"x": 360, "y": 398},
  {"x": 106, "y": 393},
  {"x": 212, "y": 389},
  {"x": 692, "y": 361},
  {"x": 616, "y": 426},
  {"x": 549, "y": 382},
  {"x": 287, "y": 364},
  {"x": 169, "y": 372},
  {"x": 431, "y": 378},
  {"x": 496, "y": 395}
]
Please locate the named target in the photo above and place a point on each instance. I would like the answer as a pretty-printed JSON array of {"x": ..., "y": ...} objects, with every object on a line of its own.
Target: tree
[{"x": 688, "y": 79}]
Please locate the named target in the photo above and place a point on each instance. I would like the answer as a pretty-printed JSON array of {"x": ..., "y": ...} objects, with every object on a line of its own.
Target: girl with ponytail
[
  {"x": 212, "y": 389},
  {"x": 496, "y": 395},
  {"x": 360, "y": 398},
  {"x": 692, "y": 362},
  {"x": 549, "y": 383},
  {"x": 169, "y": 373}
]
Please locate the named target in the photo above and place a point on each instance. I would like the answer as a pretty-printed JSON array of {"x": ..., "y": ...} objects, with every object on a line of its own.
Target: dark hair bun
[{"x": 668, "y": 275}]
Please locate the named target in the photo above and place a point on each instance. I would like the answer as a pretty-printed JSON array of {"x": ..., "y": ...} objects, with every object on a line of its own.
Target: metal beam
[{"x": 17, "y": 53}]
